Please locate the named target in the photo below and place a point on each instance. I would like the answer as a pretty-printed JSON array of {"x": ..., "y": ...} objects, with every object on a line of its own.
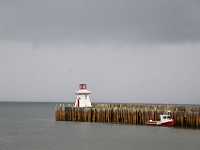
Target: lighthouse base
[{"x": 83, "y": 101}]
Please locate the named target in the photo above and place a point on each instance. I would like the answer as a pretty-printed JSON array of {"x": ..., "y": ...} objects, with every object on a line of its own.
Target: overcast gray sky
[{"x": 126, "y": 50}]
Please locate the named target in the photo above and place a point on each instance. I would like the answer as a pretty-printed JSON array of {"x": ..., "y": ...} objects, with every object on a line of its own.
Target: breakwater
[{"x": 186, "y": 116}]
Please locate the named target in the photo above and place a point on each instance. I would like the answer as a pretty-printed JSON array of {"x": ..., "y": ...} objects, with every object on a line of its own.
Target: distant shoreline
[{"x": 139, "y": 103}]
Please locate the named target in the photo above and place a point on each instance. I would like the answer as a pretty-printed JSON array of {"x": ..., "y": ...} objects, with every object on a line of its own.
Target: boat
[{"x": 165, "y": 120}]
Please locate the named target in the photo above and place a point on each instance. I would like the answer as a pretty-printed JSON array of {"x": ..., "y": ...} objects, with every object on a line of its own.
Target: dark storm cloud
[
  {"x": 126, "y": 50},
  {"x": 101, "y": 20}
]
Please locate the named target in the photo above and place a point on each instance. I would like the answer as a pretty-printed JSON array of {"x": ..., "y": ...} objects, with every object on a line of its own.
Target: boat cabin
[{"x": 165, "y": 117}]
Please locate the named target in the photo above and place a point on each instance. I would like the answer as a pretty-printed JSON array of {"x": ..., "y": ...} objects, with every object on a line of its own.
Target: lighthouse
[{"x": 83, "y": 98}]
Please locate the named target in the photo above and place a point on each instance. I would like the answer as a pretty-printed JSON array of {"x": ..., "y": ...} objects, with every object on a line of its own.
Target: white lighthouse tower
[{"x": 83, "y": 98}]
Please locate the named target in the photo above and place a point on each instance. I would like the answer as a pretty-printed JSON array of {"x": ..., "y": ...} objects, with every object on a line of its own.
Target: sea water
[{"x": 32, "y": 126}]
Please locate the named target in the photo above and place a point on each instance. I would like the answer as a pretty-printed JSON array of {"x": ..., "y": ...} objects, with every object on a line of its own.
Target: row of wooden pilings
[{"x": 135, "y": 114}]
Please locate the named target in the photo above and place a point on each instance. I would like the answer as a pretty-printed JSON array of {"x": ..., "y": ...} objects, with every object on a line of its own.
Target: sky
[{"x": 125, "y": 50}]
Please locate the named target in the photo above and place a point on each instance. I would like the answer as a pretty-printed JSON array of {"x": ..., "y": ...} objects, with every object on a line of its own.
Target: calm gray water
[{"x": 31, "y": 126}]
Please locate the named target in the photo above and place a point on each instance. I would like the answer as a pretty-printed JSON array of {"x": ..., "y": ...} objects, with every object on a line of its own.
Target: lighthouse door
[{"x": 78, "y": 103}]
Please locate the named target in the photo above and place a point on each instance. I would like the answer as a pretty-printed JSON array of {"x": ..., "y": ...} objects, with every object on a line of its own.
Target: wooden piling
[{"x": 136, "y": 114}]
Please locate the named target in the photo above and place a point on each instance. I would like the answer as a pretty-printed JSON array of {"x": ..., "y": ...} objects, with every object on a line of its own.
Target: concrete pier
[{"x": 186, "y": 116}]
